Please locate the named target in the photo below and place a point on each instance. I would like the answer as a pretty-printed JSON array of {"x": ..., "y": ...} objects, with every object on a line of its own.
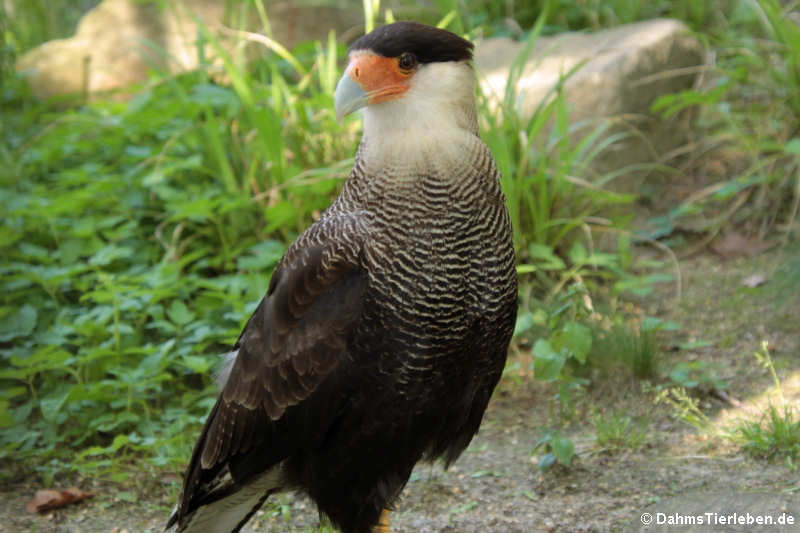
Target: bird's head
[{"x": 407, "y": 71}]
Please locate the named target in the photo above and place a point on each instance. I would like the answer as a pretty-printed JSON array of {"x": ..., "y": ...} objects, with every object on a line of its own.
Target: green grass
[
  {"x": 636, "y": 347},
  {"x": 775, "y": 436},
  {"x": 618, "y": 431},
  {"x": 686, "y": 409}
]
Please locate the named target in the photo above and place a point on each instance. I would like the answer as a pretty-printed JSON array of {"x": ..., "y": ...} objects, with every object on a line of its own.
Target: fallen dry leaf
[
  {"x": 736, "y": 245},
  {"x": 754, "y": 281},
  {"x": 52, "y": 499}
]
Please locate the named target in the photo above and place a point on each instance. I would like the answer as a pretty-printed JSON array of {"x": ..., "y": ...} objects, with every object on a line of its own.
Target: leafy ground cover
[
  {"x": 497, "y": 484},
  {"x": 138, "y": 236}
]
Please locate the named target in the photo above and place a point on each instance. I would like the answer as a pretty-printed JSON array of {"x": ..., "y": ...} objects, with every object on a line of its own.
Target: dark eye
[{"x": 407, "y": 61}]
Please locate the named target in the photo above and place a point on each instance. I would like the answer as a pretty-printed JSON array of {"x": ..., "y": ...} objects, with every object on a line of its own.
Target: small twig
[
  {"x": 725, "y": 397},
  {"x": 672, "y": 73}
]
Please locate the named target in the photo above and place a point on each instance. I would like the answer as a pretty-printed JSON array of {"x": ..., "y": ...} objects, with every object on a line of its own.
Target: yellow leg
[{"x": 383, "y": 523}]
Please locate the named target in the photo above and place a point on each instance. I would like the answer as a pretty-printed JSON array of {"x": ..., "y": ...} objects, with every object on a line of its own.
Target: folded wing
[{"x": 291, "y": 344}]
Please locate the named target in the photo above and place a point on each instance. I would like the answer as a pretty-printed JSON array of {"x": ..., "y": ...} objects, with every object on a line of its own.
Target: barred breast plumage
[{"x": 386, "y": 324}]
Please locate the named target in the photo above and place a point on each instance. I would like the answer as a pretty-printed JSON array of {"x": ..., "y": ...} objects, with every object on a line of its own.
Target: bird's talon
[{"x": 383, "y": 523}]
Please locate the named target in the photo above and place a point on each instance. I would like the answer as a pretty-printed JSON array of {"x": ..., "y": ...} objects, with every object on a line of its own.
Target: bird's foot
[{"x": 383, "y": 523}]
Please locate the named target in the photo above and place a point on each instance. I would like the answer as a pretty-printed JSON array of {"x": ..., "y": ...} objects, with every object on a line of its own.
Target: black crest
[{"x": 428, "y": 43}]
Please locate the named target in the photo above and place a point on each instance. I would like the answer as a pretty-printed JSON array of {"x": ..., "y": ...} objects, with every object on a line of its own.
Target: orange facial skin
[{"x": 380, "y": 77}]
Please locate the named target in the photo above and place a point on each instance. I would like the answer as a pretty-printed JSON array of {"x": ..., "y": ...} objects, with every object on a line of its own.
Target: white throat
[{"x": 432, "y": 120}]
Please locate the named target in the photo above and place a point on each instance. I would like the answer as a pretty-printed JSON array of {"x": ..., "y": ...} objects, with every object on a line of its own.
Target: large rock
[
  {"x": 119, "y": 41},
  {"x": 624, "y": 69}
]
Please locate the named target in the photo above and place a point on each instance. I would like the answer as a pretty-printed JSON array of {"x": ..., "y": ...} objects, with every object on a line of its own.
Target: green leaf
[
  {"x": 544, "y": 257},
  {"x": 540, "y": 317},
  {"x": 793, "y": 146},
  {"x": 577, "y": 254},
  {"x": 109, "y": 254},
  {"x": 279, "y": 215},
  {"x": 179, "y": 313},
  {"x": 524, "y": 323},
  {"x": 563, "y": 449},
  {"x": 641, "y": 285},
  {"x": 548, "y": 363},
  {"x": 262, "y": 256},
  {"x": 13, "y": 392},
  {"x": 6, "y": 418},
  {"x": 119, "y": 442},
  {"x": 672, "y": 103},
  {"x": 51, "y": 405},
  {"x": 17, "y": 322},
  {"x": 657, "y": 227},
  {"x": 576, "y": 338},
  {"x": 679, "y": 374},
  {"x": 651, "y": 323},
  {"x": 546, "y": 461},
  {"x": 197, "y": 363},
  {"x": 44, "y": 358},
  {"x": 694, "y": 345},
  {"x": 214, "y": 95}
]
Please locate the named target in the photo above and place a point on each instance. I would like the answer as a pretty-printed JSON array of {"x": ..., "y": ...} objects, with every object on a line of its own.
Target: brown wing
[{"x": 296, "y": 337}]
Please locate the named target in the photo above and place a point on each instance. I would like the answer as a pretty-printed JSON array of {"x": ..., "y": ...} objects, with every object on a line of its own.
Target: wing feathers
[{"x": 294, "y": 340}]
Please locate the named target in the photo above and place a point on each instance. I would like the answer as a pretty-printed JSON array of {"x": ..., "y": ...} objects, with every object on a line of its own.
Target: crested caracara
[{"x": 386, "y": 324}]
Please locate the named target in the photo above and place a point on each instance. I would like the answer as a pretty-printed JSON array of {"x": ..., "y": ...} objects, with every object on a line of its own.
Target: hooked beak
[
  {"x": 348, "y": 97},
  {"x": 369, "y": 79}
]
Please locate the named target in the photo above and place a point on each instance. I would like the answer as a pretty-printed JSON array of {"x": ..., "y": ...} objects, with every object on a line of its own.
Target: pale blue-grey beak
[{"x": 348, "y": 97}]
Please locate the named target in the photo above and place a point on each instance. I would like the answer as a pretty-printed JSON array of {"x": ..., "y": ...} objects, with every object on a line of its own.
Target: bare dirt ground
[{"x": 496, "y": 486}]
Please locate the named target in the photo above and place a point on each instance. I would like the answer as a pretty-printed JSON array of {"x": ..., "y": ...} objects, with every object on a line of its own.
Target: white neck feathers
[{"x": 434, "y": 119}]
